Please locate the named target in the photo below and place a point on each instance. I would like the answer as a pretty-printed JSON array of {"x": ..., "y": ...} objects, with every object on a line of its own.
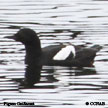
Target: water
[{"x": 55, "y": 21}]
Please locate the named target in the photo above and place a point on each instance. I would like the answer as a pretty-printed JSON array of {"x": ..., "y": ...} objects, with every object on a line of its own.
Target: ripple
[{"x": 55, "y": 22}]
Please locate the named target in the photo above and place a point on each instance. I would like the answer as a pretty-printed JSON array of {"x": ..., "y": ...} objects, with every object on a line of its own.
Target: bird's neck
[{"x": 33, "y": 54}]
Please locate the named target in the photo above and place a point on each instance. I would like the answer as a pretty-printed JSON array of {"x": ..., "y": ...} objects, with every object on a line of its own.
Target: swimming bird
[{"x": 54, "y": 55}]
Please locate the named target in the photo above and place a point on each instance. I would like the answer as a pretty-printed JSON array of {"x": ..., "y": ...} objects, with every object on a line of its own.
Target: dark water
[{"x": 55, "y": 21}]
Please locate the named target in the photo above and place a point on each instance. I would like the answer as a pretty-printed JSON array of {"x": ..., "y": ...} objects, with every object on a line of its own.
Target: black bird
[{"x": 58, "y": 55}]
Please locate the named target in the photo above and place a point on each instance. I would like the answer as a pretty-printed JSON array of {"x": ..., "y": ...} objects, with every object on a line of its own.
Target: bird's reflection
[
  {"x": 33, "y": 74},
  {"x": 84, "y": 71},
  {"x": 50, "y": 78}
]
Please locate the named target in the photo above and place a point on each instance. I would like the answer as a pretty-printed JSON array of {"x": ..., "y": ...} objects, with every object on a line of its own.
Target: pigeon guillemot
[{"x": 54, "y": 55}]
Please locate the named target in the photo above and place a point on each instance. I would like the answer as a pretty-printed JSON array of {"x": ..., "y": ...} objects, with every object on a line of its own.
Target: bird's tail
[{"x": 96, "y": 47}]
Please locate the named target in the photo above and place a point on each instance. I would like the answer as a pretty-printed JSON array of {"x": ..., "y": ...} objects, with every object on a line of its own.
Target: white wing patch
[{"x": 64, "y": 53}]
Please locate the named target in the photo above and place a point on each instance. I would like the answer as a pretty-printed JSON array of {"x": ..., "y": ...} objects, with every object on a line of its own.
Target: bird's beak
[{"x": 11, "y": 37}]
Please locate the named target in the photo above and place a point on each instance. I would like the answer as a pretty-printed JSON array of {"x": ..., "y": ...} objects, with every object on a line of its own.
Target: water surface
[{"x": 55, "y": 21}]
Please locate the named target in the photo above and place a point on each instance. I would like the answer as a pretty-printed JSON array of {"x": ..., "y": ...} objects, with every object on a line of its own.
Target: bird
[{"x": 54, "y": 55}]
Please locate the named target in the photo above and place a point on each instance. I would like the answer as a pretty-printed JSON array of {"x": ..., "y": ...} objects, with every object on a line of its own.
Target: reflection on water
[{"x": 55, "y": 23}]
